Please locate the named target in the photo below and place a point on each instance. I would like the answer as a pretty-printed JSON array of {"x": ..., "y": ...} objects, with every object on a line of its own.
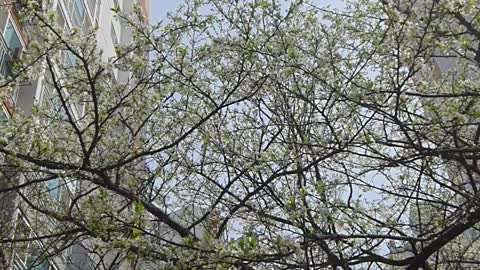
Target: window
[
  {"x": 12, "y": 47},
  {"x": 51, "y": 100},
  {"x": 3, "y": 115},
  {"x": 80, "y": 8},
  {"x": 61, "y": 18},
  {"x": 77, "y": 10},
  {"x": 40, "y": 266},
  {"x": 113, "y": 35},
  {"x": 113, "y": 76},
  {"x": 28, "y": 254},
  {"x": 87, "y": 26},
  {"x": 53, "y": 187},
  {"x": 11, "y": 37},
  {"x": 70, "y": 59},
  {"x": 91, "y": 5},
  {"x": 22, "y": 249}
]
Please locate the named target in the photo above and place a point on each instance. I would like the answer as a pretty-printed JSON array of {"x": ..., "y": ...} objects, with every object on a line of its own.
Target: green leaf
[
  {"x": 136, "y": 233},
  {"x": 264, "y": 4},
  {"x": 118, "y": 244},
  {"x": 241, "y": 243},
  {"x": 182, "y": 51},
  {"x": 292, "y": 202},
  {"x": 321, "y": 187},
  {"x": 253, "y": 241},
  {"x": 139, "y": 207}
]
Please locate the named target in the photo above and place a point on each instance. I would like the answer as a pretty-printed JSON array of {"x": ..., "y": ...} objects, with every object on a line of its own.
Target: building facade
[
  {"x": 111, "y": 31},
  {"x": 443, "y": 72}
]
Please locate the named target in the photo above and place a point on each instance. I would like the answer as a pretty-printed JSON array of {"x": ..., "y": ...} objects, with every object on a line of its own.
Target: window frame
[{"x": 23, "y": 259}]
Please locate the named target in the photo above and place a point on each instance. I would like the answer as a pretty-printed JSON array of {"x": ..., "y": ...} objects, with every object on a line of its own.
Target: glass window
[
  {"x": 52, "y": 101},
  {"x": 87, "y": 26},
  {"x": 77, "y": 10},
  {"x": 80, "y": 7},
  {"x": 3, "y": 115},
  {"x": 34, "y": 260},
  {"x": 11, "y": 37},
  {"x": 11, "y": 49},
  {"x": 42, "y": 266},
  {"x": 22, "y": 249},
  {"x": 28, "y": 253},
  {"x": 70, "y": 58},
  {"x": 91, "y": 6},
  {"x": 61, "y": 18},
  {"x": 53, "y": 187}
]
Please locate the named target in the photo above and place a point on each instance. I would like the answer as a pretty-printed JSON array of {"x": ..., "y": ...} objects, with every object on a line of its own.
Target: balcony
[
  {"x": 28, "y": 255},
  {"x": 77, "y": 9},
  {"x": 12, "y": 43},
  {"x": 7, "y": 59}
]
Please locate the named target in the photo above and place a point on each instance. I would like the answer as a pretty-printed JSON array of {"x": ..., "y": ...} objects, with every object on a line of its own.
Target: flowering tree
[{"x": 257, "y": 135}]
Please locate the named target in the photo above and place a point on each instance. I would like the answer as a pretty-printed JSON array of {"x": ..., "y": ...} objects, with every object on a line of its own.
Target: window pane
[
  {"x": 11, "y": 37},
  {"x": 60, "y": 18},
  {"x": 22, "y": 249},
  {"x": 34, "y": 261},
  {"x": 91, "y": 6},
  {"x": 70, "y": 59},
  {"x": 42, "y": 266},
  {"x": 53, "y": 186},
  {"x": 3, "y": 115},
  {"x": 78, "y": 13},
  {"x": 80, "y": 7}
]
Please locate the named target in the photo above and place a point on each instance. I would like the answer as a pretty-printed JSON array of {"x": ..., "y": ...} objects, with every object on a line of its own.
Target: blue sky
[{"x": 159, "y": 8}]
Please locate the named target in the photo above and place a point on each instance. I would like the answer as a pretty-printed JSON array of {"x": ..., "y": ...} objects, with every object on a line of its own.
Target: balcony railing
[{"x": 18, "y": 264}]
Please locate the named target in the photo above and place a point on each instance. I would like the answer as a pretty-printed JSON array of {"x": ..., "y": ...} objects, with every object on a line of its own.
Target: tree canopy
[{"x": 254, "y": 134}]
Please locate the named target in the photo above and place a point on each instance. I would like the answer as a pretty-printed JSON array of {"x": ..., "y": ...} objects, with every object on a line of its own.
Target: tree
[{"x": 304, "y": 137}]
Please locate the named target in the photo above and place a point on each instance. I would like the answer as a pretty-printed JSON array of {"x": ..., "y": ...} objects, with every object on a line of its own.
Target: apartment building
[
  {"x": 111, "y": 31},
  {"x": 440, "y": 76}
]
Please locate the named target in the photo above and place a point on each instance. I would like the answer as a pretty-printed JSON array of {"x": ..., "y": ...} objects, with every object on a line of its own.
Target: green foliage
[{"x": 139, "y": 208}]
